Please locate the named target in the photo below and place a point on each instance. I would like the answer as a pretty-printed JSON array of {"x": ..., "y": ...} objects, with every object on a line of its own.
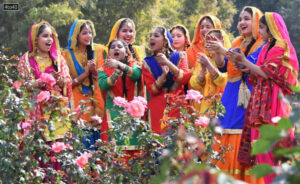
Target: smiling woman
[
  {"x": 237, "y": 90},
  {"x": 125, "y": 29},
  {"x": 45, "y": 69},
  {"x": 83, "y": 59}
]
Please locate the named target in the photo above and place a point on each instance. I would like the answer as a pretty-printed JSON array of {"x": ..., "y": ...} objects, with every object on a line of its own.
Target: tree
[{"x": 17, "y": 23}]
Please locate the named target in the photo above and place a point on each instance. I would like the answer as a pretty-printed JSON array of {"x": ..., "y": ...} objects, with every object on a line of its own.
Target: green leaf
[
  {"x": 285, "y": 124},
  {"x": 261, "y": 170},
  {"x": 284, "y": 151},
  {"x": 270, "y": 132},
  {"x": 261, "y": 146}
]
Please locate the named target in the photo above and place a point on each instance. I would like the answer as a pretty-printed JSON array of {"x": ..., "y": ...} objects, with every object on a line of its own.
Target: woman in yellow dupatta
[
  {"x": 84, "y": 73},
  {"x": 124, "y": 29}
]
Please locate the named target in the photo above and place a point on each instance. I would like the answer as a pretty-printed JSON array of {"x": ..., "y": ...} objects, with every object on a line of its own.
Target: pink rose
[
  {"x": 135, "y": 108},
  {"x": 17, "y": 84},
  {"x": 48, "y": 79},
  {"x": 97, "y": 119},
  {"x": 78, "y": 109},
  {"x": 43, "y": 96},
  {"x": 53, "y": 159},
  {"x": 58, "y": 147},
  {"x": 119, "y": 101},
  {"x": 193, "y": 95},
  {"x": 25, "y": 125},
  {"x": 141, "y": 99},
  {"x": 68, "y": 146},
  {"x": 202, "y": 121},
  {"x": 83, "y": 160}
]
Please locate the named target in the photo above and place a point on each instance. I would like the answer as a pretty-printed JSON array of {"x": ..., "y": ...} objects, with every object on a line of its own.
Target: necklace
[{"x": 42, "y": 58}]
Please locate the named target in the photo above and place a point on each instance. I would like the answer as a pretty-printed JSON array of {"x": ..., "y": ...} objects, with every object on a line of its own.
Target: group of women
[{"x": 262, "y": 60}]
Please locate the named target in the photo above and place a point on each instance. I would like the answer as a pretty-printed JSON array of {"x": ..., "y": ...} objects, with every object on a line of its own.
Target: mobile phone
[
  {"x": 89, "y": 52},
  {"x": 239, "y": 65},
  {"x": 238, "y": 50}
]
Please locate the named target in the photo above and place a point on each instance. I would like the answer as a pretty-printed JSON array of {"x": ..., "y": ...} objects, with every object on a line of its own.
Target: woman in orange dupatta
[
  {"x": 205, "y": 24},
  {"x": 275, "y": 72},
  {"x": 237, "y": 90}
]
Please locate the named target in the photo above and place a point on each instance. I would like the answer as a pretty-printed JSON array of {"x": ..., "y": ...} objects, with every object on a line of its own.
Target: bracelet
[
  {"x": 126, "y": 69},
  {"x": 119, "y": 66},
  {"x": 114, "y": 77},
  {"x": 157, "y": 85},
  {"x": 215, "y": 76},
  {"x": 76, "y": 80},
  {"x": 200, "y": 80}
]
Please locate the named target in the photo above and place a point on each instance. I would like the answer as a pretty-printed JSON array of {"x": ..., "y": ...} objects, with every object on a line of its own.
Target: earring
[
  {"x": 163, "y": 50},
  {"x": 270, "y": 39}
]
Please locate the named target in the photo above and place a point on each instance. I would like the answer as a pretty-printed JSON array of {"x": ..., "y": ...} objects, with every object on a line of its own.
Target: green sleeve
[
  {"x": 102, "y": 80},
  {"x": 136, "y": 73}
]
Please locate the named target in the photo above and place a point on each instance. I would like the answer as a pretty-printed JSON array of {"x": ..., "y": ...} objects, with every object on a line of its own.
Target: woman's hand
[
  {"x": 92, "y": 66},
  {"x": 59, "y": 79},
  {"x": 215, "y": 46},
  {"x": 165, "y": 70},
  {"x": 238, "y": 60},
  {"x": 111, "y": 63},
  {"x": 161, "y": 58},
  {"x": 203, "y": 60}
]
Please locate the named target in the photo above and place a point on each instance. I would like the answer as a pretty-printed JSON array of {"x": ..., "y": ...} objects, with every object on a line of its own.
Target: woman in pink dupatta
[
  {"x": 44, "y": 59},
  {"x": 274, "y": 73}
]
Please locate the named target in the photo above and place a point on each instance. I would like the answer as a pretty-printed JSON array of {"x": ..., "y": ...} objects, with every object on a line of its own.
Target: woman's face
[
  {"x": 205, "y": 26},
  {"x": 178, "y": 39},
  {"x": 45, "y": 40},
  {"x": 85, "y": 36},
  {"x": 245, "y": 24},
  {"x": 263, "y": 31},
  {"x": 156, "y": 41},
  {"x": 117, "y": 51},
  {"x": 127, "y": 33}
]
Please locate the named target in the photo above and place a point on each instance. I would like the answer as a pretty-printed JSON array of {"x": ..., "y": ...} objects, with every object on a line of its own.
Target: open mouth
[
  {"x": 116, "y": 54},
  {"x": 244, "y": 27},
  {"x": 127, "y": 39},
  {"x": 152, "y": 44},
  {"x": 48, "y": 44}
]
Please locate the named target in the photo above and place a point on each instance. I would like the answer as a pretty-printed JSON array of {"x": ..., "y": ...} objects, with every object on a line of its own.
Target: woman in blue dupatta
[
  {"x": 164, "y": 72},
  {"x": 84, "y": 74}
]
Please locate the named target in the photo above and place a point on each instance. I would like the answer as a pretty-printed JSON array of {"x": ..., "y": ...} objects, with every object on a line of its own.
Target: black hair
[
  {"x": 249, "y": 10},
  {"x": 168, "y": 48},
  {"x": 124, "y": 45},
  {"x": 209, "y": 19},
  {"x": 126, "y": 62},
  {"x": 86, "y": 24},
  {"x": 40, "y": 31},
  {"x": 123, "y": 22},
  {"x": 263, "y": 20}
]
